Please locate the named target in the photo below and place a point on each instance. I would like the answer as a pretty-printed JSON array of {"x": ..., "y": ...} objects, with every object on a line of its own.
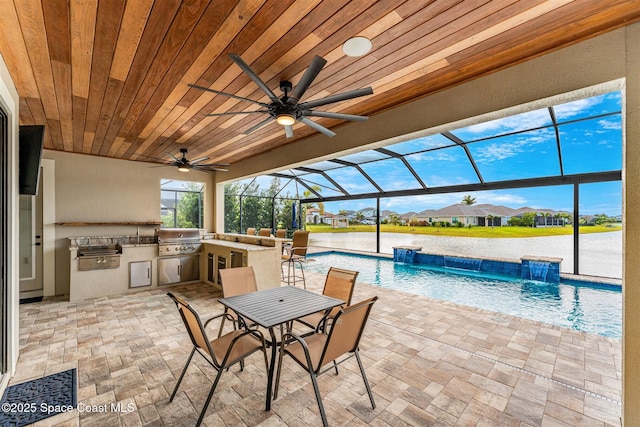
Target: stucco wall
[{"x": 631, "y": 237}]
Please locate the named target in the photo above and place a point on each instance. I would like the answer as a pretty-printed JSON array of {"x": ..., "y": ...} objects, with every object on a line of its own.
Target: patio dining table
[{"x": 270, "y": 308}]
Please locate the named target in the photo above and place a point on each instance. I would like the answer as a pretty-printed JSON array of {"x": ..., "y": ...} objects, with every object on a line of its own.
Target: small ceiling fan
[
  {"x": 184, "y": 165},
  {"x": 288, "y": 109}
]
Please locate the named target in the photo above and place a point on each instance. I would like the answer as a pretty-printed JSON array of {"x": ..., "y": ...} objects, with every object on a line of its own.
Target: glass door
[{"x": 30, "y": 247}]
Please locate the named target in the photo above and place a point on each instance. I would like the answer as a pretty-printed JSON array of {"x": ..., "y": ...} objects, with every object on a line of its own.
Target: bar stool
[{"x": 296, "y": 255}]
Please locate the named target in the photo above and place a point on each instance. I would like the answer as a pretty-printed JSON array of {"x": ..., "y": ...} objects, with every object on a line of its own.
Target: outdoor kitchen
[{"x": 112, "y": 265}]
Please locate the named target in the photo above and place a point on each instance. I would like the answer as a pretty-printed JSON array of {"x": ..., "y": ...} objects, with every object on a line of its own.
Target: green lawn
[{"x": 496, "y": 232}]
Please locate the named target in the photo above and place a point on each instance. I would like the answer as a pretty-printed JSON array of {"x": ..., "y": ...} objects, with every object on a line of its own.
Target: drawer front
[{"x": 98, "y": 262}]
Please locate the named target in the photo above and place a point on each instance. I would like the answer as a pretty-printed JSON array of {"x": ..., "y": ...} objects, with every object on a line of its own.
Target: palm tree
[
  {"x": 491, "y": 218},
  {"x": 565, "y": 218},
  {"x": 308, "y": 193},
  {"x": 468, "y": 200},
  {"x": 545, "y": 215}
]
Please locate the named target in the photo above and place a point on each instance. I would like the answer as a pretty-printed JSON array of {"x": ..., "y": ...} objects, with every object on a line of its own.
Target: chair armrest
[
  {"x": 225, "y": 315},
  {"x": 253, "y": 333},
  {"x": 293, "y": 337}
]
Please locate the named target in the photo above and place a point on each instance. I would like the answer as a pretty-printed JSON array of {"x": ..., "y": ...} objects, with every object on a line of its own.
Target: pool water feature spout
[
  {"x": 463, "y": 263},
  {"x": 405, "y": 254},
  {"x": 538, "y": 270}
]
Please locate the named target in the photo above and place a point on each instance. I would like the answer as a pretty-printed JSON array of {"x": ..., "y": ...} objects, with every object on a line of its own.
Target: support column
[{"x": 631, "y": 236}]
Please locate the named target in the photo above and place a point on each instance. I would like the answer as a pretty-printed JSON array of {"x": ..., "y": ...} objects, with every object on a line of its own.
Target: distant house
[
  {"x": 467, "y": 215},
  {"x": 312, "y": 216},
  {"x": 482, "y": 215},
  {"x": 339, "y": 221},
  {"x": 369, "y": 213},
  {"x": 485, "y": 215}
]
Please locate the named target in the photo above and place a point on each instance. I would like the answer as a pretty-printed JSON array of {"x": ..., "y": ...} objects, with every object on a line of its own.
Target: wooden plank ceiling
[{"x": 109, "y": 77}]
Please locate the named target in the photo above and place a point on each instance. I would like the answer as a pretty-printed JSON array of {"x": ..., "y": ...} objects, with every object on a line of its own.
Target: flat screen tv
[{"x": 30, "y": 155}]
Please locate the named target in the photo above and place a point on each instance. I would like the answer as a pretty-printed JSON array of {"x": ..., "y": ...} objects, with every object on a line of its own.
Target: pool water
[{"x": 592, "y": 309}]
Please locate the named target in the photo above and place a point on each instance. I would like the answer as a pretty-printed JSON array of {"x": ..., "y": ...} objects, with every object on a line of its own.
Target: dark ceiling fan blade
[
  {"x": 309, "y": 75},
  {"x": 199, "y": 159},
  {"x": 316, "y": 126},
  {"x": 208, "y": 168},
  {"x": 174, "y": 157},
  {"x": 227, "y": 94},
  {"x": 259, "y": 125},
  {"x": 262, "y": 85},
  {"x": 336, "y": 98},
  {"x": 331, "y": 115},
  {"x": 233, "y": 113},
  {"x": 288, "y": 131}
]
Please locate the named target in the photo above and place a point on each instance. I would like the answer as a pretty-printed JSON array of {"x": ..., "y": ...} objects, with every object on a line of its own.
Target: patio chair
[
  {"x": 236, "y": 281},
  {"x": 221, "y": 353},
  {"x": 251, "y": 231},
  {"x": 281, "y": 233},
  {"x": 315, "y": 351},
  {"x": 338, "y": 284},
  {"x": 295, "y": 255},
  {"x": 264, "y": 232}
]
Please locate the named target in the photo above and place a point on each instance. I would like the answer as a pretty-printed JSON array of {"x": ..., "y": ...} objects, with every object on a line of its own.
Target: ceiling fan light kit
[
  {"x": 287, "y": 110},
  {"x": 285, "y": 119}
]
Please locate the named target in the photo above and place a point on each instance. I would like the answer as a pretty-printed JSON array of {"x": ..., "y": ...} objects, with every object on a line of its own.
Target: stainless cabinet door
[
  {"x": 139, "y": 274},
  {"x": 190, "y": 268},
  {"x": 168, "y": 270}
]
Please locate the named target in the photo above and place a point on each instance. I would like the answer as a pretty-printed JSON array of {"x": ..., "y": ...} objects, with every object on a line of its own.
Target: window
[{"x": 181, "y": 204}]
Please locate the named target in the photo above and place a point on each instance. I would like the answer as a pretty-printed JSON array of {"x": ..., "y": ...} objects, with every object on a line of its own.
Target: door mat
[
  {"x": 35, "y": 400},
  {"x": 30, "y": 300}
]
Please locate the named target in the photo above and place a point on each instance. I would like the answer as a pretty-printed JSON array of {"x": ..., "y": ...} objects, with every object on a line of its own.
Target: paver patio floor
[{"x": 429, "y": 363}]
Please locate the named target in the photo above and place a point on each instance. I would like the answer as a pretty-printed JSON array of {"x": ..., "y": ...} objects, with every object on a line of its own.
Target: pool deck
[{"x": 429, "y": 363}]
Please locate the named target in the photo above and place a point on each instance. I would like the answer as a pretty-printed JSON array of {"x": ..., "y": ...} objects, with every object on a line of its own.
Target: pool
[{"x": 589, "y": 308}]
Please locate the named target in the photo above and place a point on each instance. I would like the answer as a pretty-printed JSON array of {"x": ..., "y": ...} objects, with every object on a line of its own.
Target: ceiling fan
[
  {"x": 288, "y": 109},
  {"x": 184, "y": 165}
]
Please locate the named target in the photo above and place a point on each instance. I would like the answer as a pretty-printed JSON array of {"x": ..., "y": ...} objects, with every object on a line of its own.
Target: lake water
[{"x": 600, "y": 253}]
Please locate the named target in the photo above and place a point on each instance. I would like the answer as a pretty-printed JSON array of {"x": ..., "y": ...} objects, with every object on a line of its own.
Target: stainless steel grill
[
  {"x": 99, "y": 257},
  {"x": 178, "y": 241}
]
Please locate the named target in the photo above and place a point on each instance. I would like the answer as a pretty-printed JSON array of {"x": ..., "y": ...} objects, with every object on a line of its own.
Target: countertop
[{"x": 237, "y": 245}]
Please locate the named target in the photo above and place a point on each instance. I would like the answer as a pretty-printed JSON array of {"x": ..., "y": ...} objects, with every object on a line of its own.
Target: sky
[{"x": 516, "y": 147}]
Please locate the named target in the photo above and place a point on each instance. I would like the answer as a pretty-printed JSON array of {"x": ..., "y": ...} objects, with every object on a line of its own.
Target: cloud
[
  {"x": 507, "y": 147},
  {"x": 442, "y": 155},
  {"x": 610, "y": 124},
  {"x": 575, "y": 108},
  {"x": 528, "y": 120}
]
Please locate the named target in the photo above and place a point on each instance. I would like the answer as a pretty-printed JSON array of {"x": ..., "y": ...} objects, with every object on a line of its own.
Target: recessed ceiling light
[{"x": 357, "y": 46}]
